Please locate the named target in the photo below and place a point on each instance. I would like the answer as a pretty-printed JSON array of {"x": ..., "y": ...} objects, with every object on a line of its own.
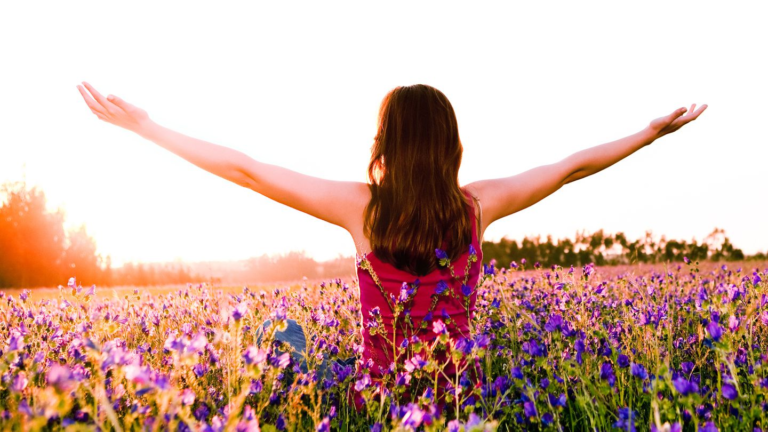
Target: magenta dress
[{"x": 376, "y": 349}]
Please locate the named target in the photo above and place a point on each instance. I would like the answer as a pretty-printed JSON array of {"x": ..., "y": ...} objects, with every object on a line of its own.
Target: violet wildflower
[
  {"x": 363, "y": 382},
  {"x": 715, "y": 331},
  {"x": 626, "y": 421},
  {"x": 607, "y": 373},
  {"x": 324, "y": 426},
  {"x": 729, "y": 391},
  {"x": 529, "y": 409},
  {"x": 441, "y": 287},
  {"x": 413, "y": 416},
  {"x": 19, "y": 382},
  {"x": 554, "y": 323},
  {"x": 240, "y": 311},
  {"x": 442, "y": 257},
  {"x": 684, "y": 386},
  {"x": 466, "y": 290},
  {"x": 638, "y": 370},
  {"x": 623, "y": 361}
]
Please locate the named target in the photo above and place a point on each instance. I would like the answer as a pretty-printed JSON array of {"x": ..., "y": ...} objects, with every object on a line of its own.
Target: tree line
[{"x": 612, "y": 249}]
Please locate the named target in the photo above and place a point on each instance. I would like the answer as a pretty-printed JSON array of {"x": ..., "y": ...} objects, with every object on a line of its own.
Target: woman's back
[{"x": 416, "y": 306}]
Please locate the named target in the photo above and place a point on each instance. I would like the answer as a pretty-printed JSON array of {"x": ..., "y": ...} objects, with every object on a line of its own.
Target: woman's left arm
[
  {"x": 336, "y": 202},
  {"x": 502, "y": 197}
]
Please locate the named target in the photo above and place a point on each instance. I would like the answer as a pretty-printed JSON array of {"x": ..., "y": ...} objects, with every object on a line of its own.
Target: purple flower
[
  {"x": 363, "y": 382},
  {"x": 20, "y": 382},
  {"x": 532, "y": 348},
  {"x": 687, "y": 367},
  {"x": 466, "y": 290},
  {"x": 200, "y": 370},
  {"x": 240, "y": 311},
  {"x": 472, "y": 250},
  {"x": 324, "y": 425},
  {"x": 714, "y": 330},
  {"x": 709, "y": 426},
  {"x": 547, "y": 419},
  {"x": 413, "y": 416},
  {"x": 16, "y": 342},
  {"x": 638, "y": 370},
  {"x": 441, "y": 287},
  {"x": 729, "y": 391},
  {"x": 554, "y": 323},
  {"x": 442, "y": 257},
  {"x": 684, "y": 386},
  {"x": 623, "y": 361},
  {"x": 557, "y": 400},
  {"x": 529, "y": 409},
  {"x": 606, "y": 373},
  {"x": 626, "y": 421},
  {"x": 516, "y": 373}
]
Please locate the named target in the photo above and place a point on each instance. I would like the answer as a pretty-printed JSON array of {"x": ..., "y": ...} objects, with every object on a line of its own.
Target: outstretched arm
[
  {"x": 332, "y": 201},
  {"x": 505, "y": 196}
]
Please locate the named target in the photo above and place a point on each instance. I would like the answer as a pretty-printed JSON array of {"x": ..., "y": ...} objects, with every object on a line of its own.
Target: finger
[
  {"x": 701, "y": 110},
  {"x": 99, "y": 98},
  {"x": 93, "y": 105},
  {"x": 675, "y": 115},
  {"x": 692, "y": 110},
  {"x": 125, "y": 106}
]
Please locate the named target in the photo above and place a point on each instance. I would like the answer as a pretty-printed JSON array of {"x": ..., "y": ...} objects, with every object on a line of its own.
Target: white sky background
[{"x": 299, "y": 85}]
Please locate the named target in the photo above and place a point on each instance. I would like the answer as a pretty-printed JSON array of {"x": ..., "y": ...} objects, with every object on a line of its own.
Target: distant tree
[
  {"x": 32, "y": 239},
  {"x": 36, "y": 251}
]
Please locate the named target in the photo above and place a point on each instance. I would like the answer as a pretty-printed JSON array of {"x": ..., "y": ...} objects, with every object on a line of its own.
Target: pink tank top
[{"x": 376, "y": 349}]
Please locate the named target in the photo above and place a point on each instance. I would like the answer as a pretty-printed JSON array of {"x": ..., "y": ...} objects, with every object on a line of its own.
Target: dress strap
[{"x": 477, "y": 219}]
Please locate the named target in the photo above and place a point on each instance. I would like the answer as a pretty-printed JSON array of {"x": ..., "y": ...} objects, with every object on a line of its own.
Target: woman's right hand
[
  {"x": 672, "y": 122},
  {"x": 114, "y": 110}
]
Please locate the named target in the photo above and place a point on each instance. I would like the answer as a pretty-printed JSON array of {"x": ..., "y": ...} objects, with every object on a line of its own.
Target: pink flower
[
  {"x": 438, "y": 327},
  {"x": 733, "y": 324},
  {"x": 187, "y": 397}
]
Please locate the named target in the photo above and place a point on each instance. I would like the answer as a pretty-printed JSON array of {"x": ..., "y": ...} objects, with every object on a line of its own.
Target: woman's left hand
[
  {"x": 114, "y": 110},
  {"x": 672, "y": 122}
]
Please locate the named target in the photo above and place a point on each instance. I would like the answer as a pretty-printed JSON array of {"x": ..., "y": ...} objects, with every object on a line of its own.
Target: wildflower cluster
[{"x": 622, "y": 348}]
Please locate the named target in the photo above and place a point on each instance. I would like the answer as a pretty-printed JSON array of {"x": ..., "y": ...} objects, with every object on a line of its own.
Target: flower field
[{"x": 666, "y": 347}]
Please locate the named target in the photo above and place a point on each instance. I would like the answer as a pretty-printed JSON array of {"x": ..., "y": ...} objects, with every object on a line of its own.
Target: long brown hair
[{"x": 416, "y": 202}]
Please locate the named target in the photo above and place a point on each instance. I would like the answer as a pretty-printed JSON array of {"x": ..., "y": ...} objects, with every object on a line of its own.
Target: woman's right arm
[
  {"x": 336, "y": 202},
  {"x": 504, "y": 196}
]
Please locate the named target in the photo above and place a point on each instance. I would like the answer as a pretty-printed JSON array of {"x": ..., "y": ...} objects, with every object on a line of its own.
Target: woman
[{"x": 417, "y": 232}]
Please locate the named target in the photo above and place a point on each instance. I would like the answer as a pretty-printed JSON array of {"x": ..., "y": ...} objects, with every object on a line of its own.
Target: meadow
[{"x": 675, "y": 347}]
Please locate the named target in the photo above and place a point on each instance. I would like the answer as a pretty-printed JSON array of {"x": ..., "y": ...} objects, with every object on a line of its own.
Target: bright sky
[{"x": 299, "y": 85}]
